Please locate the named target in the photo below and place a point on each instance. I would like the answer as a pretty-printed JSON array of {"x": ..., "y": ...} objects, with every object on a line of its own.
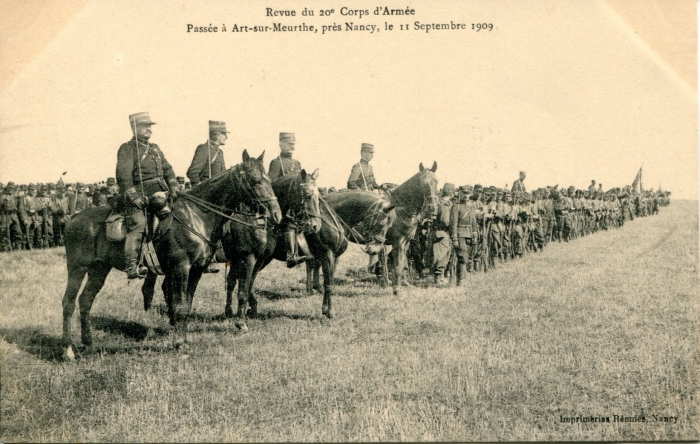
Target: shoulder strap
[{"x": 363, "y": 175}]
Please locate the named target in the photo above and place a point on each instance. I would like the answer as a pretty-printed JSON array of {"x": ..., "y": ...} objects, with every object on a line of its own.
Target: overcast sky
[{"x": 567, "y": 91}]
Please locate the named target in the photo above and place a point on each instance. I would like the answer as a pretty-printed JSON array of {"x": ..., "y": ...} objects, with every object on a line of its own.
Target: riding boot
[
  {"x": 132, "y": 250},
  {"x": 290, "y": 240}
]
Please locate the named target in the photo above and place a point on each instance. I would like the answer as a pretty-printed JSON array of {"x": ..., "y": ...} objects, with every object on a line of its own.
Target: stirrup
[{"x": 139, "y": 273}]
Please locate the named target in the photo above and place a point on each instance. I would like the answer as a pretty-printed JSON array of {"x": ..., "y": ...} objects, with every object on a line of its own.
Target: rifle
[{"x": 485, "y": 244}]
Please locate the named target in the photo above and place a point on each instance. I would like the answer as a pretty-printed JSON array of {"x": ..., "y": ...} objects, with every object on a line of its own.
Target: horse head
[
  {"x": 428, "y": 185},
  {"x": 299, "y": 199},
  {"x": 257, "y": 187},
  {"x": 381, "y": 217},
  {"x": 309, "y": 208}
]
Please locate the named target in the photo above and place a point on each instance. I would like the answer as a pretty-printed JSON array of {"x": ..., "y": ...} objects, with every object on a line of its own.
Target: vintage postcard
[{"x": 521, "y": 178}]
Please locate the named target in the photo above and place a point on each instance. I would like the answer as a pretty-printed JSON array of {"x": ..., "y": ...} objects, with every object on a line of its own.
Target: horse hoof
[
  {"x": 252, "y": 313},
  {"x": 228, "y": 312},
  {"x": 241, "y": 326},
  {"x": 68, "y": 354}
]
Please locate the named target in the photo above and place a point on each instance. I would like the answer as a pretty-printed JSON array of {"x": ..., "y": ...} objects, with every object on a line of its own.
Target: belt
[{"x": 157, "y": 179}]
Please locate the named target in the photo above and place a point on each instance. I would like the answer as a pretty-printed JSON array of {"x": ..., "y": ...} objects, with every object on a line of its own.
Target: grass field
[{"x": 605, "y": 325}]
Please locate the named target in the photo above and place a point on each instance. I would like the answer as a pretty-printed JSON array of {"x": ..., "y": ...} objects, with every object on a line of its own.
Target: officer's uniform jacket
[
  {"x": 362, "y": 177},
  {"x": 283, "y": 165},
  {"x": 463, "y": 220},
  {"x": 156, "y": 172},
  {"x": 205, "y": 154},
  {"x": 518, "y": 185}
]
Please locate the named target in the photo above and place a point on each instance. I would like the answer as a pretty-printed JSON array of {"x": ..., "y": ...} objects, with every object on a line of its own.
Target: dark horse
[
  {"x": 184, "y": 244},
  {"x": 371, "y": 215},
  {"x": 359, "y": 216},
  {"x": 415, "y": 200},
  {"x": 246, "y": 244}
]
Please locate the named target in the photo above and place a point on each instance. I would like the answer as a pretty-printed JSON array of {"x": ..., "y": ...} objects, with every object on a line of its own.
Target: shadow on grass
[
  {"x": 128, "y": 329},
  {"x": 274, "y": 295},
  {"x": 35, "y": 342}
]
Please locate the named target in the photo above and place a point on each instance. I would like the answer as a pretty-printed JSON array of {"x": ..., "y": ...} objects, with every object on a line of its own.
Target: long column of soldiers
[
  {"x": 35, "y": 215},
  {"x": 488, "y": 226}
]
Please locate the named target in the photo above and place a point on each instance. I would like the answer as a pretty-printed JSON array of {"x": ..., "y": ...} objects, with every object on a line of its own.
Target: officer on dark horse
[{"x": 145, "y": 180}]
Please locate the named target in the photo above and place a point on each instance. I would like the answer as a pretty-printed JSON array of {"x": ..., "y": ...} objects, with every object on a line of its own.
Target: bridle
[
  {"x": 303, "y": 215},
  {"x": 240, "y": 183}
]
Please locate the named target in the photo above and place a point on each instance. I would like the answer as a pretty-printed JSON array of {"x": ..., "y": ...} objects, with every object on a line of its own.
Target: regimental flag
[{"x": 638, "y": 180}]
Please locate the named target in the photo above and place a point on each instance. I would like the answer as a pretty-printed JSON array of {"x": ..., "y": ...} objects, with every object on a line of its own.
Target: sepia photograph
[{"x": 334, "y": 221}]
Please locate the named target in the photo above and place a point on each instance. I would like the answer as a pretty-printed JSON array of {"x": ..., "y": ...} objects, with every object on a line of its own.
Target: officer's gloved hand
[
  {"x": 140, "y": 202},
  {"x": 455, "y": 243},
  {"x": 174, "y": 189}
]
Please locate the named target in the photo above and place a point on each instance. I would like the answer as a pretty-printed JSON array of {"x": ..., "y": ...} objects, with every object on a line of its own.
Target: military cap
[
  {"x": 466, "y": 189},
  {"x": 180, "y": 180},
  {"x": 287, "y": 137},
  {"x": 31, "y": 186},
  {"x": 322, "y": 191},
  {"x": 10, "y": 184},
  {"x": 367, "y": 147},
  {"x": 332, "y": 190},
  {"x": 448, "y": 189},
  {"x": 80, "y": 185},
  {"x": 111, "y": 181},
  {"x": 478, "y": 188},
  {"x": 50, "y": 186},
  {"x": 140, "y": 119},
  {"x": 218, "y": 127}
]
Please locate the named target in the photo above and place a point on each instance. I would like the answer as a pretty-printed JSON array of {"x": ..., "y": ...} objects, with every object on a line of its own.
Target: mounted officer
[
  {"x": 519, "y": 184},
  {"x": 362, "y": 174},
  {"x": 208, "y": 160},
  {"x": 284, "y": 163},
  {"x": 144, "y": 177},
  {"x": 281, "y": 166}
]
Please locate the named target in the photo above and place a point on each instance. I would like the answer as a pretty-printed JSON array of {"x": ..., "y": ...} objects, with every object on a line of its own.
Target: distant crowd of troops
[
  {"x": 34, "y": 216},
  {"x": 478, "y": 228}
]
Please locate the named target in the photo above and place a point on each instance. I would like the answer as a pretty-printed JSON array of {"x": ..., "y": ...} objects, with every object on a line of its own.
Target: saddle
[{"x": 115, "y": 231}]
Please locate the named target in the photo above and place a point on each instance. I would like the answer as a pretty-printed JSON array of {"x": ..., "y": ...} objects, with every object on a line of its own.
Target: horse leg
[
  {"x": 328, "y": 264},
  {"x": 168, "y": 296},
  {"x": 230, "y": 286},
  {"x": 244, "y": 293},
  {"x": 310, "y": 267},
  {"x": 75, "y": 280},
  {"x": 399, "y": 256},
  {"x": 96, "y": 279},
  {"x": 181, "y": 304},
  {"x": 148, "y": 290},
  {"x": 317, "y": 278}
]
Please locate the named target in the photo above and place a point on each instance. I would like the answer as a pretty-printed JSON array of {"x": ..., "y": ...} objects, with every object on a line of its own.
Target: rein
[
  {"x": 220, "y": 210},
  {"x": 339, "y": 221}
]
